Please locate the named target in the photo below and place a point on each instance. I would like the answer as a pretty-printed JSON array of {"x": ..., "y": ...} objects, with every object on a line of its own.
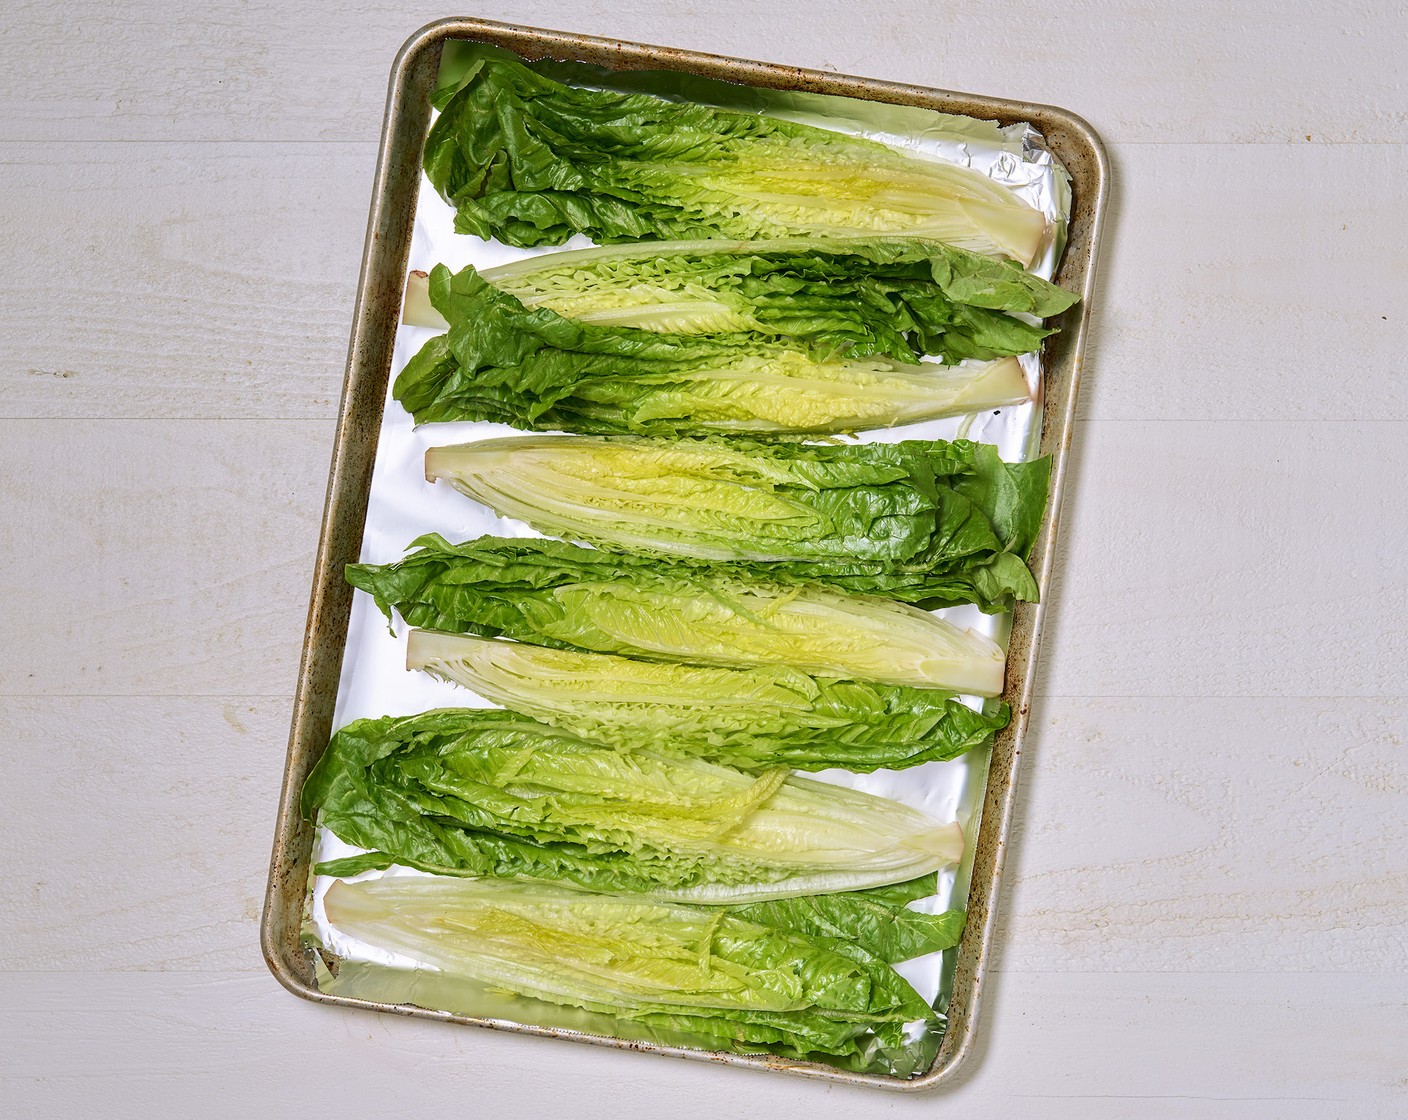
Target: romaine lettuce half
[
  {"x": 534, "y": 369},
  {"x": 751, "y": 719},
  {"x": 903, "y": 298},
  {"x": 954, "y": 510},
  {"x": 556, "y": 594},
  {"x": 530, "y": 161},
  {"x": 718, "y": 978},
  {"x": 484, "y": 792}
]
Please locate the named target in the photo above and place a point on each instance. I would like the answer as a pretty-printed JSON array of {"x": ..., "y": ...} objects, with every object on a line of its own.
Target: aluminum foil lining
[{"x": 402, "y": 505}]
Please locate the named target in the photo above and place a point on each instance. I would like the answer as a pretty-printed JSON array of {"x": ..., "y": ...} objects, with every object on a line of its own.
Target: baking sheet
[{"x": 402, "y": 505}]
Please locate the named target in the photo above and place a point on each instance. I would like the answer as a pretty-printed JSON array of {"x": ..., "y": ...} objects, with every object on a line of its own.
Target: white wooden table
[{"x": 1205, "y": 905}]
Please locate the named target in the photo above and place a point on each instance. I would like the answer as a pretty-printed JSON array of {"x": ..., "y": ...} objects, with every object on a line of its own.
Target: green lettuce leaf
[
  {"x": 723, "y": 980},
  {"x": 534, "y": 369},
  {"x": 555, "y": 594},
  {"x": 899, "y": 297},
  {"x": 897, "y": 894},
  {"x": 946, "y": 508},
  {"x": 483, "y": 792},
  {"x": 750, "y": 719},
  {"x": 889, "y": 932},
  {"x": 531, "y": 161}
]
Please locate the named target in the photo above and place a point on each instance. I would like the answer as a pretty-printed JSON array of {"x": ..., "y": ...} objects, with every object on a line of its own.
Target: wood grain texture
[
  {"x": 1229, "y": 1046},
  {"x": 1258, "y": 72},
  {"x": 1203, "y": 909},
  {"x": 1198, "y": 834},
  {"x": 1252, "y": 283},
  {"x": 149, "y": 825},
  {"x": 207, "y": 281},
  {"x": 157, "y": 557},
  {"x": 1232, "y": 559}
]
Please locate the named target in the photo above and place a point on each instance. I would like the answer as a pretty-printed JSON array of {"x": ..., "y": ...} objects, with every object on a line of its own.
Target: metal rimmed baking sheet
[{"x": 374, "y": 336}]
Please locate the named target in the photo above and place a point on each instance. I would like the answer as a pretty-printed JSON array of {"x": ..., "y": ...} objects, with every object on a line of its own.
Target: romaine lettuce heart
[
  {"x": 950, "y": 511},
  {"x": 483, "y": 792},
  {"x": 751, "y": 719},
  {"x": 556, "y": 594},
  {"x": 902, "y": 298},
  {"x": 531, "y": 161},
  {"x": 715, "y": 978},
  {"x": 534, "y": 369}
]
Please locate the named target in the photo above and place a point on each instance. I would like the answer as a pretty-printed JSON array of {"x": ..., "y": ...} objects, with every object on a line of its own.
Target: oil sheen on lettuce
[
  {"x": 534, "y": 369},
  {"x": 751, "y": 719},
  {"x": 556, "y": 594},
  {"x": 530, "y": 161},
  {"x": 483, "y": 792}
]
